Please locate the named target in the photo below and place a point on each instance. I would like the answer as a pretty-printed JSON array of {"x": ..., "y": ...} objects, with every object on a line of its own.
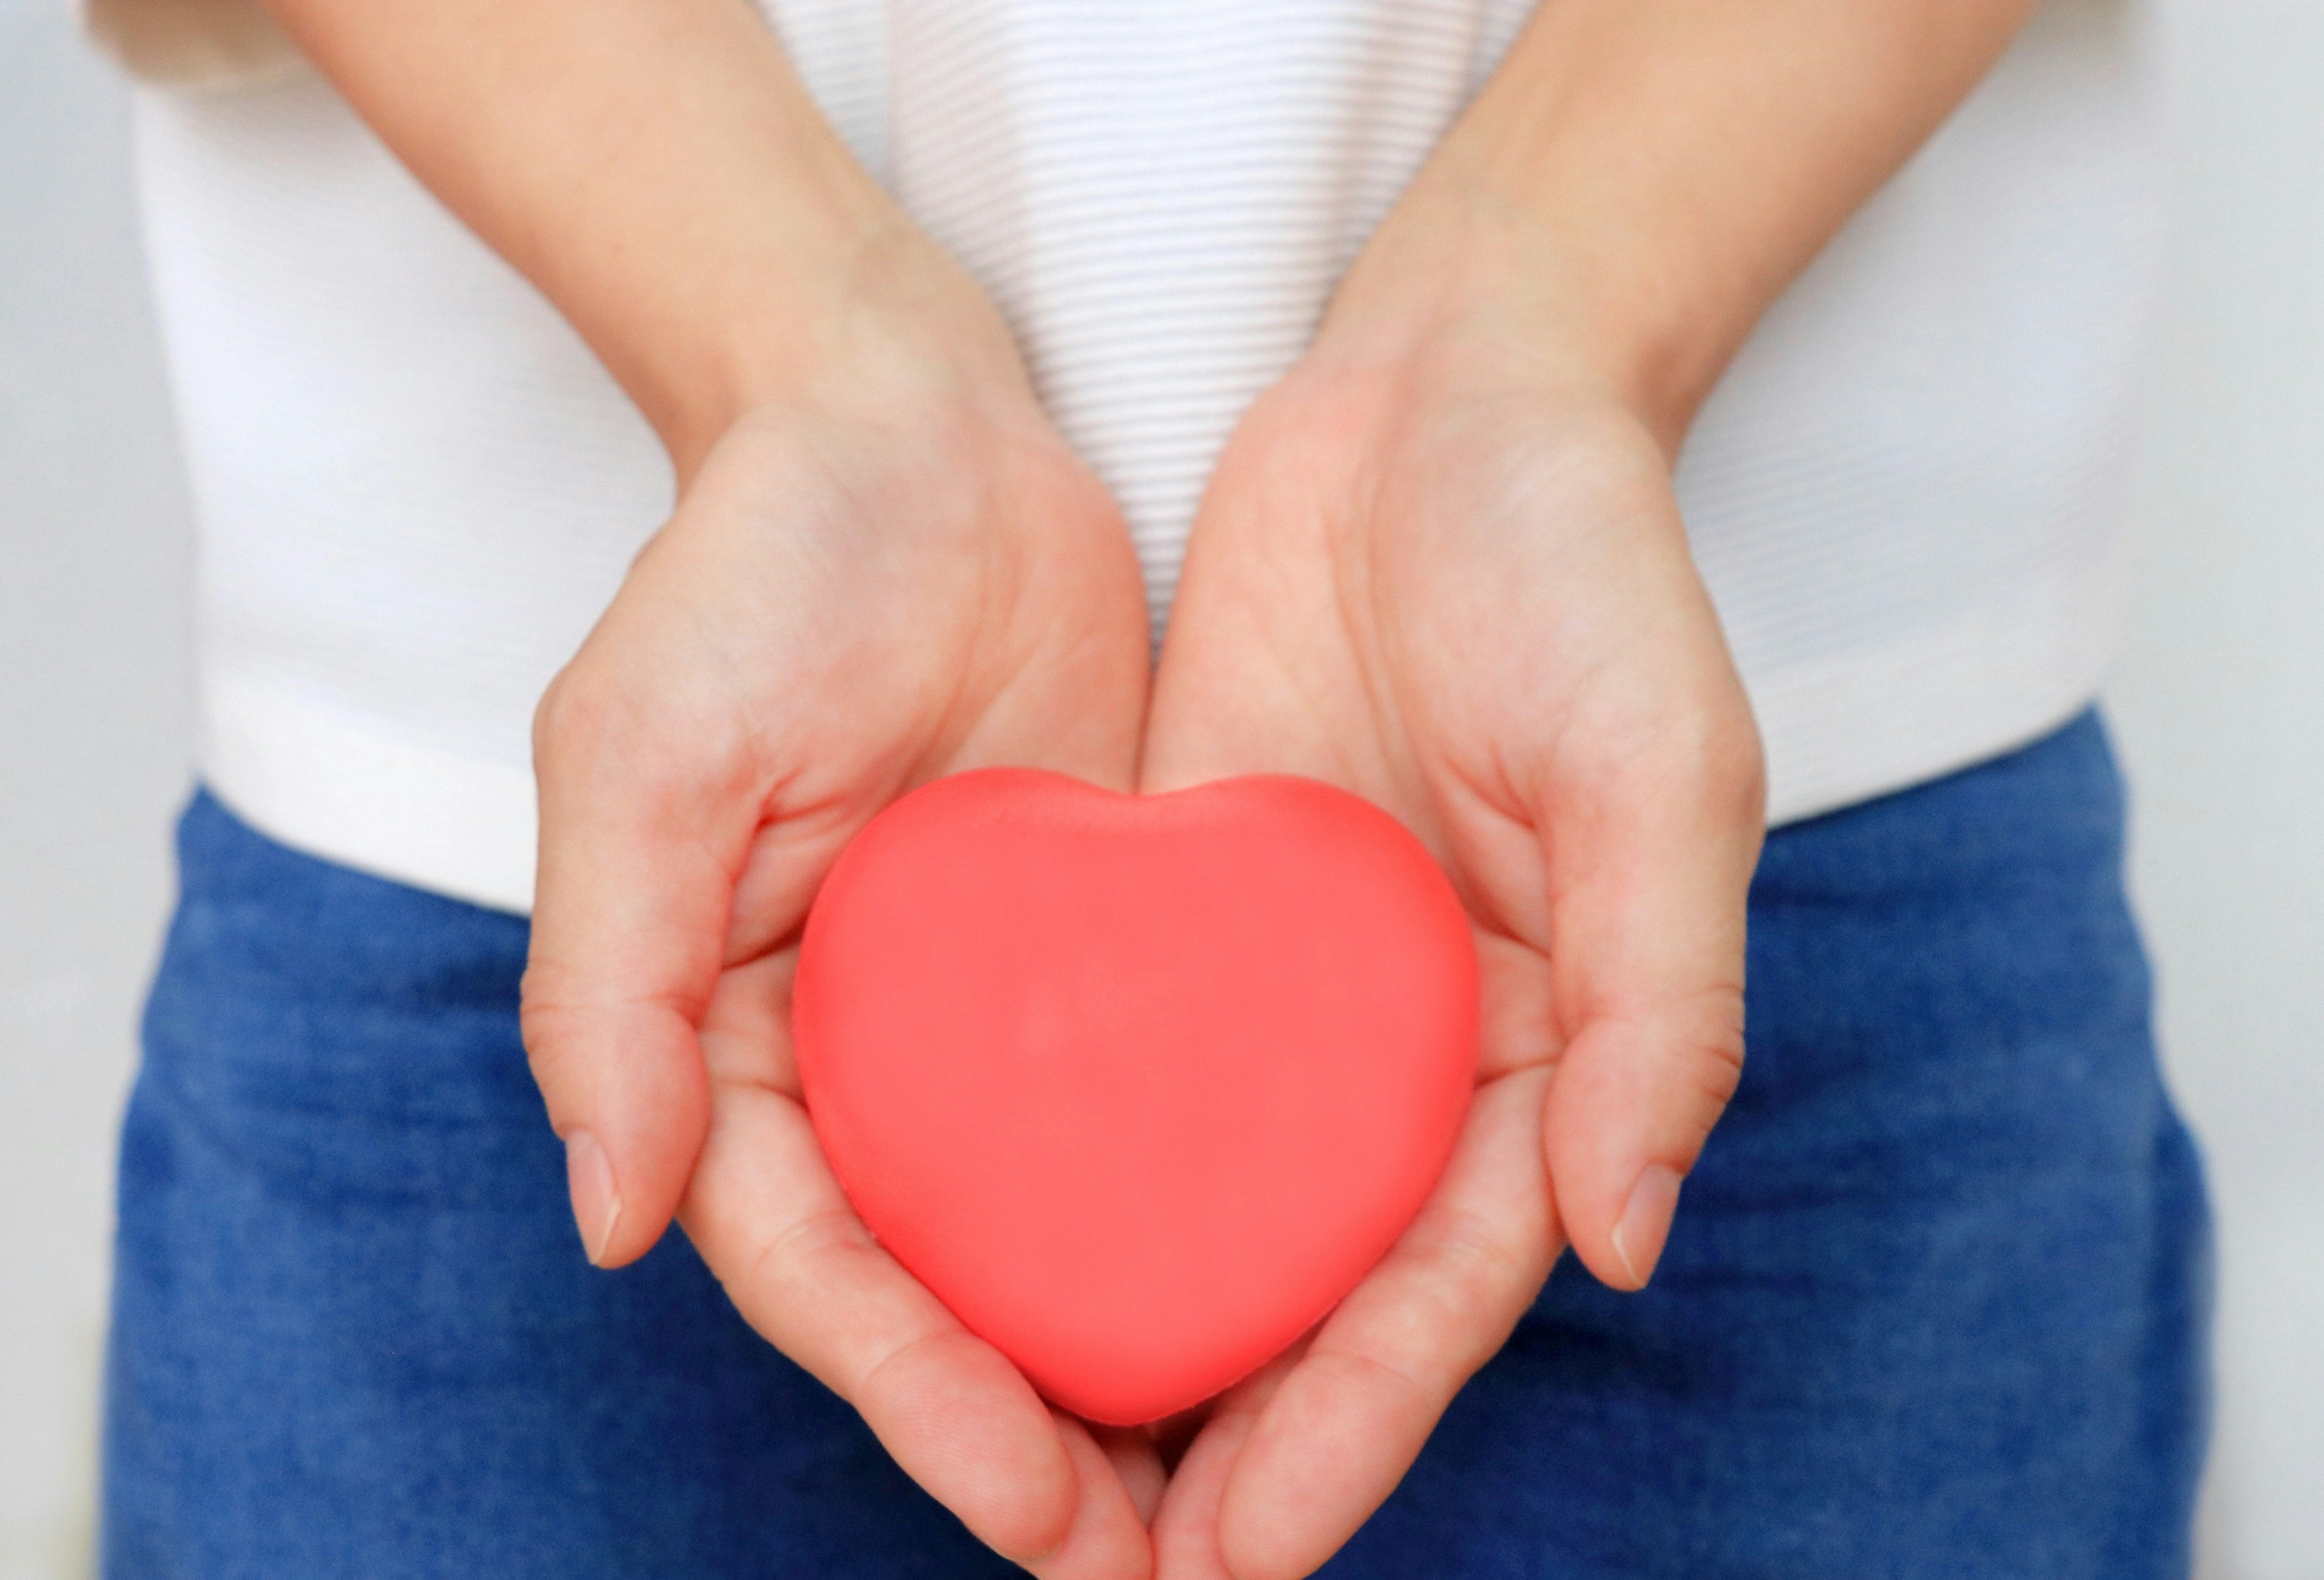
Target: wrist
[
  {"x": 1460, "y": 265},
  {"x": 878, "y": 322}
]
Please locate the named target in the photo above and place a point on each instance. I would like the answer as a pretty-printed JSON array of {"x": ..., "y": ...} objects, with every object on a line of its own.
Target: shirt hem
[{"x": 1838, "y": 731}]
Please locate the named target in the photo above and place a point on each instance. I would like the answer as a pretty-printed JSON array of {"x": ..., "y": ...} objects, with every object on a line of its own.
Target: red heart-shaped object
[{"x": 1139, "y": 1086}]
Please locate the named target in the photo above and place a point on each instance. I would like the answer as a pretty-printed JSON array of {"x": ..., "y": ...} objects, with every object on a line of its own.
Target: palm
[
  {"x": 842, "y": 609},
  {"x": 1472, "y": 604}
]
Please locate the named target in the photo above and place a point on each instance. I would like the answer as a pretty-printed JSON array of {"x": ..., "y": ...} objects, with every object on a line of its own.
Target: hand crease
[{"x": 842, "y": 1227}]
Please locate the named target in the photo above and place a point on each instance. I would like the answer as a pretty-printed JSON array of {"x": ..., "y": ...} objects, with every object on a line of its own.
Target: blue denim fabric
[{"x": 1935, "y": 1305}]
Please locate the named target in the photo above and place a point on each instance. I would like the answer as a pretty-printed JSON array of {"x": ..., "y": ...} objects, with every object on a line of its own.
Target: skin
[
  {"x": 1439, "y": 564},
  {"x": 884, "y": 566}
]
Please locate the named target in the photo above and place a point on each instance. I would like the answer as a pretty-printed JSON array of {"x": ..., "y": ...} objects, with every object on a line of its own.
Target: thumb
[
  {"x": 1650, "y": 873},
  {"x": 640, "y": 840}
]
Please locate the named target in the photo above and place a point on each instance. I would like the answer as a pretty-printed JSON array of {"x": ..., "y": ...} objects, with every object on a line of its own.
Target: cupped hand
[
  {"x": 1441, "y": 565},
  {"x": 893, "y": 572}
]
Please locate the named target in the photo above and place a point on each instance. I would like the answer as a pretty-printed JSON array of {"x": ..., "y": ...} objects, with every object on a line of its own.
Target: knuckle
[
  {"x": 889, "y": 1378},
  {"x": 1713, "y": 1030},
  {"x": 800, "y": 1254},
  {"x": 564, "y": 714},
  {"x": 1740, "y": 770},
  {"x": 1475, "y": 1260},
  {"x": 1698, "y": 750},
  {"x": 648, "y": 733},
  {"x": 1719, "y": 751},
  {"x": 1377, "y": 1371},
  {"x": 551, "y": 1032},
  {"x": 543, "y": 1021},
  {"x": 1718, "y": 1071},
  {"x": 583, "y": 717},
  {"x": 1695, "y": 1047},
  {"x": 1709, "y": 1045}
]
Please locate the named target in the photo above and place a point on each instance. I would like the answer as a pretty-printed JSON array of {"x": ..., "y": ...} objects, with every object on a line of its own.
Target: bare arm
[
  {"x": 884, "y": 565},
  {"x": 1441, "y": 564},
  {"x": 660, "y": 172},
  {"x": 1642, "y": 177}
]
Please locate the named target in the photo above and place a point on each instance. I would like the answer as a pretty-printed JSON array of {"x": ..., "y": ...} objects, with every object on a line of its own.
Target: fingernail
[
  {"x": 1645, "y": 1222},
  {"x": 596, "y": 1205}
]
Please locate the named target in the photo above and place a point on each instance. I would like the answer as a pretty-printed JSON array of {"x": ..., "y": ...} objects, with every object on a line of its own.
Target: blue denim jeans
[{"x": 1934, "y": 1305}]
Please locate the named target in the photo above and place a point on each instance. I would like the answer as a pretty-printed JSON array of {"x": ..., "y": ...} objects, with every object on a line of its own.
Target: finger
[
  {"x": 1650, "y": 874},
  {"x": 642, "y": 830},
  {"x": 1108, "y": 1541},
  {"x": 1186, "y": 1526},
  {"x": 1349, "y": 1419},
  {"x": 1139, "y": 1462},
  {"x": 770, "y": 1221}
]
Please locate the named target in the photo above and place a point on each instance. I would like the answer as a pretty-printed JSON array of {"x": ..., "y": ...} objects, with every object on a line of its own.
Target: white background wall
[{"x": 2218, "y": 705}]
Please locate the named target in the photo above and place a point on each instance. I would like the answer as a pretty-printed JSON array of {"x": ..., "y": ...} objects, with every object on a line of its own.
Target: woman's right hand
[
  {"x": 896, "y": 571},
  {"x": 885, "y": 564}
]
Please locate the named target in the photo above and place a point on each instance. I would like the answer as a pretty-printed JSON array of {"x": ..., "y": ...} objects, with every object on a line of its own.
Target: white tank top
[{"x": 415, "y": 489}]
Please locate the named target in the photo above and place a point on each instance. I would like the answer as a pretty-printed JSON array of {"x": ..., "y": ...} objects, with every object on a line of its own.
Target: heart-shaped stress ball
[{"x": 1138, "y": 1086}]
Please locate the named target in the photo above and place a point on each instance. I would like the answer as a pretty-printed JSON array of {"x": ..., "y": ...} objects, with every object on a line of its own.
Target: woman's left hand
[{"x": 1440, "y": 565}]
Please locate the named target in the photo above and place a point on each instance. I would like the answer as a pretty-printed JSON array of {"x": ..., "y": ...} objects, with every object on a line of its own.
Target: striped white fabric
[{"x": 416, "y": 489}]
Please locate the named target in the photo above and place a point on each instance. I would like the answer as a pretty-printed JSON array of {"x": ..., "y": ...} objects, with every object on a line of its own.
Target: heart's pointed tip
[{"x": 1124, "y": 1409}]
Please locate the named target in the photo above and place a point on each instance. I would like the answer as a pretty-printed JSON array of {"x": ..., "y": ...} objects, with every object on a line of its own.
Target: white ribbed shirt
[{"x": 415, "y": 489}]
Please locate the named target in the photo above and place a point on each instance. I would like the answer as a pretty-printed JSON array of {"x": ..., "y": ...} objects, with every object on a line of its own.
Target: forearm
[
  {"x": 653, "y": 166},
  {"x": 1647, "y": 175}
]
